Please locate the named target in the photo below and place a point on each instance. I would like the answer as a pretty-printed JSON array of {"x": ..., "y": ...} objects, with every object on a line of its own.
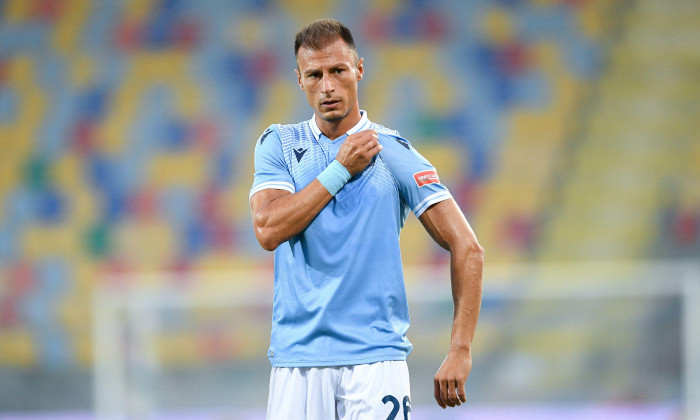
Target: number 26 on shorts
[{"x": 397, "y": 406}]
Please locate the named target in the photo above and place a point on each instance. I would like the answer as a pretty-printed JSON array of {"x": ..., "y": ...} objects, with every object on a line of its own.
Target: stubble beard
[{"x": 337, "y": 118}]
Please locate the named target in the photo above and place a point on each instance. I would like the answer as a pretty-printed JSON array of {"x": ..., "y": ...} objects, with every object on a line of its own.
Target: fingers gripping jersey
[{"x": 339, "y": 295}]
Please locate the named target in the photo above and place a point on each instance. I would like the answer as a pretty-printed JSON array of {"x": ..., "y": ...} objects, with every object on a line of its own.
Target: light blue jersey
[{"x": 339, "y": 295}]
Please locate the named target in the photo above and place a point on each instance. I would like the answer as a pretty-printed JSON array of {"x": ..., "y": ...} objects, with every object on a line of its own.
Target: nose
[{"x": 327, "y": 85}]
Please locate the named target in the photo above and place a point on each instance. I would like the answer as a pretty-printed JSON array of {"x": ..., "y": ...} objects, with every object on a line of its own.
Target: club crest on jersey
[
  {"x": 426, "y": 177},
  {"x": 299, "y": 152}
]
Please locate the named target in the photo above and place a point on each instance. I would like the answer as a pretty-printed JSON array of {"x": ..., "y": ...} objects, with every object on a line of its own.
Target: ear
[
  {"x": 301, "y": 86},
  {"x": 360, "y": 69}
]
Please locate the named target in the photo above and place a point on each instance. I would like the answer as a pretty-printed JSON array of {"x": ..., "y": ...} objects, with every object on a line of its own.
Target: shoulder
[
  {"x": 270, "y": 133},
  {"x": 287, "y": 134},
  {"x": 294, "y": 130},
  {"x": 381, "y": 130},
  {"x": 391, "y": 140},
  {"x": 284, "y": 134}
]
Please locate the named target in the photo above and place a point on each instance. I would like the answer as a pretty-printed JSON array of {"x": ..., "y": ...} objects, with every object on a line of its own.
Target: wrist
[
  {"x": 334, "y": 177},
  {"x": 460, "y": 348}
]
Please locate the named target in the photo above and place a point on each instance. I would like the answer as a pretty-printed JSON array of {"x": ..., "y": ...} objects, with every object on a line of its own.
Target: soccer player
[{"x": 330, "y": 196}]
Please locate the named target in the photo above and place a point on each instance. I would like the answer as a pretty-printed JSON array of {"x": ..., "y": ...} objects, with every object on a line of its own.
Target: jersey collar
[{"x": 361, "y": 125}]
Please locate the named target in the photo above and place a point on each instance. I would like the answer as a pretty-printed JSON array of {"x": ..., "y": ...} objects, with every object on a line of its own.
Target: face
[{"x": 329, "y": 78}]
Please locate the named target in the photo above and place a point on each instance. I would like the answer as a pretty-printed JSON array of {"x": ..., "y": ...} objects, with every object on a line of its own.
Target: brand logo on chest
[{"x": 299, "y": 153}]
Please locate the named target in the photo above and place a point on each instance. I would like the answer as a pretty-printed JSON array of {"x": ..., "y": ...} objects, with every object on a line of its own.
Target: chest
[{"x": 307, "y": 158}]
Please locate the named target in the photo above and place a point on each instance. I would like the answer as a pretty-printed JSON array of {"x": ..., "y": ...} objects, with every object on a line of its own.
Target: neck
[{"x": 335, "y": 129}]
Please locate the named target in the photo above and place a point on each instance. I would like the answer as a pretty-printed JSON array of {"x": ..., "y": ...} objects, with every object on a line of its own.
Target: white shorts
[{"x": 376, "y": 391}]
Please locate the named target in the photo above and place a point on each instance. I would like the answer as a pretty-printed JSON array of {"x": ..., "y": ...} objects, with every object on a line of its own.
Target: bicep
[{"x": 447, "y": 225}]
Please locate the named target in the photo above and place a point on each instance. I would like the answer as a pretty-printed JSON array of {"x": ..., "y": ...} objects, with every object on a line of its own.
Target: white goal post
[{"x": 532, "y": 308}]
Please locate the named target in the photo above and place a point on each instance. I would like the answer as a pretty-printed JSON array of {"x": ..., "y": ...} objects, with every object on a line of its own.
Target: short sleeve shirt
[{"x": 339, "y": 294}]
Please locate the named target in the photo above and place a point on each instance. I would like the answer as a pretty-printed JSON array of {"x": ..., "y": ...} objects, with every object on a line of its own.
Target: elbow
[
  {"x": 267, "y": 245},
  {"x": 477, "y": 251},
  {"x": 473, "y": 251},
  {"x": 265, "y": 235},
  {"x": 266, "y": 240},
  {"x": 476, "y": 255}
]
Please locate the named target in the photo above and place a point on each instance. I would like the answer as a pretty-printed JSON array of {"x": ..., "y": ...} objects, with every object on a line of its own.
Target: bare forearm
[
  {"x": 466, "y": 271},
  {"x": 287, "y": 215},
  {"x": 447, "y": 225},
  {"x": 450, "y": 379}
]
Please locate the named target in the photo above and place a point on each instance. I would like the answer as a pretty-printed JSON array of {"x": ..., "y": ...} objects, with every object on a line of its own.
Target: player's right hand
[{"x": 358, "y": 150}]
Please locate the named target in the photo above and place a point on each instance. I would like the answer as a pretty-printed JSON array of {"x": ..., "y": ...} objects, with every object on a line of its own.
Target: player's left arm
[{"x": 450, "y": 229}]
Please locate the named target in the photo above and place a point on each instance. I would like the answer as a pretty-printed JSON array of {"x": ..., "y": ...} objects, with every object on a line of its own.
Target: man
[{"x": 330, "y": 196}]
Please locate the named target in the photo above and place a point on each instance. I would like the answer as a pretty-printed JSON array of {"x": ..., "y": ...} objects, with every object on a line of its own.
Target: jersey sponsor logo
[
  {"x": 299, "y": 152},
  {"x": 426, "y": 177}
]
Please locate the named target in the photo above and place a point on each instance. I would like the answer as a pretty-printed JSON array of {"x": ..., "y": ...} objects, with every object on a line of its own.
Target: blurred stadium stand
[
  {"x": 632, "y": 187},
  {"x": 566, "y": 129}
]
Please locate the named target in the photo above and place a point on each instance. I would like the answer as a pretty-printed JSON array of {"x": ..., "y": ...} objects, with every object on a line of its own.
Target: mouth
[{"x": 330, "y": 102}]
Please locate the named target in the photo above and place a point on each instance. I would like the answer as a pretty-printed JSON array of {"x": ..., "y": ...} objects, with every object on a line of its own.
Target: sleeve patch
[{"x": 426, "y": 177}]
